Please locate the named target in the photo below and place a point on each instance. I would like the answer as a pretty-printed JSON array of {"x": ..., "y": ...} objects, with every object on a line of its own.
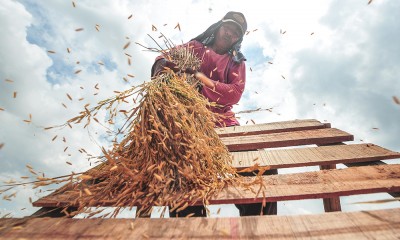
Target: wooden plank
[
  {"x": 285, "y": 139},
  {"x": 296, "y": 186},
  {"x": 273, "y": 127},
  {"x": 318, "y": 184},
  {"x": 312, "y": 156},
  {"x": 376, "y": 224}
]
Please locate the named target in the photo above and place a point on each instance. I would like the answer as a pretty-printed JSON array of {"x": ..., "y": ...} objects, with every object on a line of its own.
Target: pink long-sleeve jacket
[{"x": 229, "y": 79}]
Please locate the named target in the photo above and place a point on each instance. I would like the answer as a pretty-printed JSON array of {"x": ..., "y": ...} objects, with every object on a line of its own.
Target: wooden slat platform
[
  {"x": 378, "y": 224},
  {"x": 308, "y": 185},
  {"x": 285, "y": 139},
  {"x": 312, "y": 156},
  {"x": 273, "y": 127}
]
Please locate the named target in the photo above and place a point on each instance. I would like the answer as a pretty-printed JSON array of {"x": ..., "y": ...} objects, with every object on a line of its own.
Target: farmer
[{"x": 223, "y": 76}]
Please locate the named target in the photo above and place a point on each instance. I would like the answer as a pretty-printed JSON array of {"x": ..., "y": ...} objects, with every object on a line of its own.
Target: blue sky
[{"x": 339, "y": 59}]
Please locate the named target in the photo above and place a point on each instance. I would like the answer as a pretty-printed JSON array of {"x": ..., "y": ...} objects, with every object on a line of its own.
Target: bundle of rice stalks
[{"x": 170, "y": 154}]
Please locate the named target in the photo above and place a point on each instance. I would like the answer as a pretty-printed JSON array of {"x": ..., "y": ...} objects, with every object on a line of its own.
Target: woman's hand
[
  {"x": 161, "y": 65},
  {"x": 204, "y": 79}
]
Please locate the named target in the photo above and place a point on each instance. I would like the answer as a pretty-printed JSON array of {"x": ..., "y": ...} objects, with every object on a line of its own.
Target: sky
[{"x": 334, "y": 61}]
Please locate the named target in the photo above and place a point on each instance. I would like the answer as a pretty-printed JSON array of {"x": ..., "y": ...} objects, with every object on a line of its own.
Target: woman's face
[{"x": 227, "y": 35}]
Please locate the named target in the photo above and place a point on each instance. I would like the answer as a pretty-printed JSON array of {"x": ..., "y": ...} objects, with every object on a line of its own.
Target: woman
[
  {"x": 223, "y": 71},
  {"x": 223, "y": 76}
]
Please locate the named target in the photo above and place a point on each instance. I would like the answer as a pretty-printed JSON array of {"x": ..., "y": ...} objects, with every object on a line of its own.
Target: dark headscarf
[{"x": 208, "y": 36}]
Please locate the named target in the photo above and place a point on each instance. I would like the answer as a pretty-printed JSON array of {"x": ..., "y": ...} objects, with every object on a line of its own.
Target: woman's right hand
[{"x": 161, "y": 65}]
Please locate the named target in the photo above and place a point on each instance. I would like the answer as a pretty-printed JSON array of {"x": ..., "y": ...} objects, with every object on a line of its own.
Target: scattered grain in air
[
  {"x": 247, "y": 32},
  {"x": 256, "y": 92},
  {"x": 64, "y": 140},
  {"x": 375, "y": 128},
  {"x": 69, "y": 50},
  {"x": 70, "y": 98},
  {"x": 129, "y": 61},
  {"x": 101, "y": 63},
  {"x": 79, "y": 29},
  {"x": 54, "y": 138},
  {"x": 69, "y": 163},
  {"x": 30, "y": 200},
  {"x": 219, "y": 210},
  {"x": 131, "y": 225},
  {"x": 96, "y": 86},
  {"x": 127, "y": 45},
  {"x": 78, "y": 71},
  {"x": 130, "y": 16},
  {"x": 369, "y": 2},
  {"x": 81, "y": 87},
  {"x": 50, "y": 51},
  {"x": 153, "y": 28},
  {"x": 1, "y": 145},
  {"x": 251, "y": 69},
  {"x": 283, "y": 77},
  {"x": 77, "y": 62},
  {"x": 73, "y": 4},
  {"x": 130, "y": 75},
  {"x": 235, "y": 74},
  {"x": 270, "y": 62},
  {"x": 125, "y": 79},
  {"x": 65, "y": 149},
  {"x": 255, "y": 30},
  {"x": 312, "y": 33},
  {"x": 9, "y": 80},
  {"x": 396, "y": 100},
  {"x": 255, "y": 159},
  {"x": 114, "y": 168},
  {"x": 178, "y": 26},
  {"x": 1, "y": 109},
  {"x": 284, "y": 32},
  {"x": 15, "y": 94},
  {"x": 80, "y": 99},
  {"x": 97, "y": 27},
  {"x": 64, "y": 105}
]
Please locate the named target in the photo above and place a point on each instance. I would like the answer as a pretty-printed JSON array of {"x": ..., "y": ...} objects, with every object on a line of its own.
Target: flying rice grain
[
  {"x": 396, "y": 100},
  {"x": 126, "y": 45}
]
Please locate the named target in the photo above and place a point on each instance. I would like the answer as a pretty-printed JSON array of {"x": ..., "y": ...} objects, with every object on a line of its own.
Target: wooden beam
[
  {"x": 54, "y": 212},
  {"x": 273, "y": 127},
  {"x": 296, "y": 186},
  {"x": 377, "y": 224},
  {"x": 285, "y": 139},
  {"x": 312, "y": 156},
  {"x": 331, "y": 204}
]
